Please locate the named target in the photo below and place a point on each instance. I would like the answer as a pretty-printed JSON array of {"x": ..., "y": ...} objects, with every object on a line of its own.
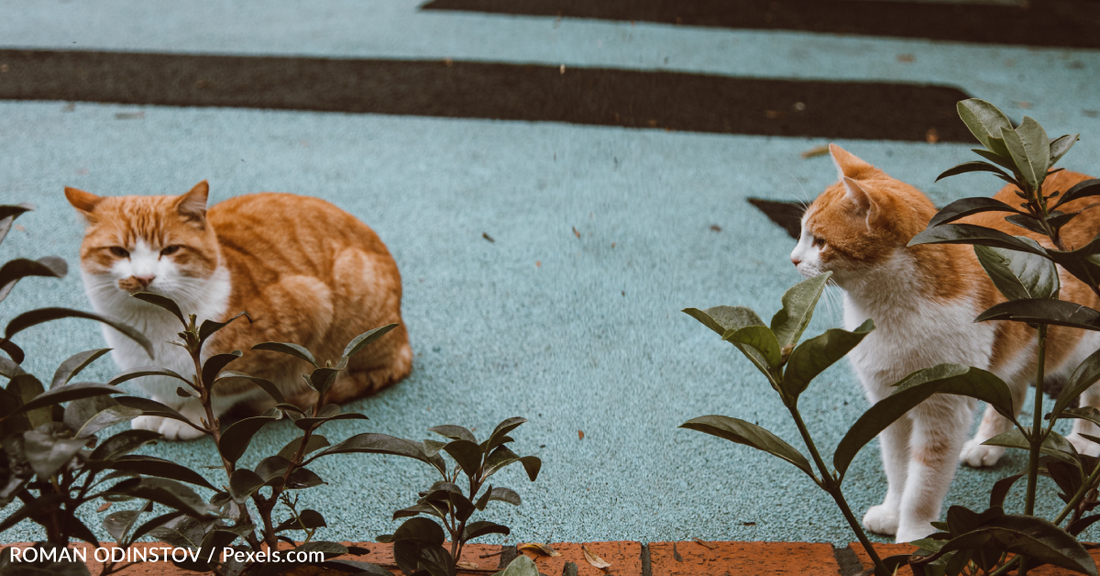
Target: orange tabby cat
[
  {"x": 923, "y": 301},
  {"x": 305, "y": 271}
]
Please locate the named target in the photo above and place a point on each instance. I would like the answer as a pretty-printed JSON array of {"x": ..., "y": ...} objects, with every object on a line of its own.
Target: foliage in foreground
[{"x": 992, "y": 541}]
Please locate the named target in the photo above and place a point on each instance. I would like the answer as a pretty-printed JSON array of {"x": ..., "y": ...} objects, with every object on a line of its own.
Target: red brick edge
[{"x": 690, "y": 558}]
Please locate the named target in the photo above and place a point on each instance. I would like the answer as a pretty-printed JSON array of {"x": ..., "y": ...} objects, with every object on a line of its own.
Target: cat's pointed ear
[
  {"x": 192, "y": 206},
  {"x": 863, "y": 200},
  {"x": 847, "y": 164},
  {"x": 84, "y": 202}
]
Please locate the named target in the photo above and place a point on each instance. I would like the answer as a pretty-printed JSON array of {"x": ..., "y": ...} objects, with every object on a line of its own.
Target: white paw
[
  {"x": 173, "y": 429},
  {"x": 977, "y": 455},
  {"x": 909, "y": 532},
  {"x": 881, "y": 520},
  {"x": 1084, "y": 445}
]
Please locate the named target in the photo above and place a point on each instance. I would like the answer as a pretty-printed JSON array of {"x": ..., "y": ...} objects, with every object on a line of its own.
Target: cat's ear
[
  {"x": 192, "y": 206},
  {"x": 863, "y": 200},
  {"x": 84, "y": 202},
  {"x": 847, "y": 164}
]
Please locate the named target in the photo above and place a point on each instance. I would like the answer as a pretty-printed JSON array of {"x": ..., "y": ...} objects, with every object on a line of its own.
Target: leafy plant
[
  {"x": 418, "y": 544},
  {"x": 52, "y": 462}
]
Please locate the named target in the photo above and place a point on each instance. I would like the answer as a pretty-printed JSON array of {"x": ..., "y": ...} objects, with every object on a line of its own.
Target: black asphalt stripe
[
  {"x": 1061, "y": 23},
  {"x": 606, "y": 97}
]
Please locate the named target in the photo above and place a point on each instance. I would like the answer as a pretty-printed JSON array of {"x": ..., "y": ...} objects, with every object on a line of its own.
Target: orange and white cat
[
  {"x": 305, "y": 271},
  {"x": 924, "y": 300}
]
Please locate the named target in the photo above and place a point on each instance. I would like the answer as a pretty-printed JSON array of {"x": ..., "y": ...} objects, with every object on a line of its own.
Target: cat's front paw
[
  {"x": 1084, "y": 445},
  {"x": 881, "y": 519},
  {"x": 170, "y": 428},
  {"x": 913, "y": 531},
  {"x": 977, "y": 455}
]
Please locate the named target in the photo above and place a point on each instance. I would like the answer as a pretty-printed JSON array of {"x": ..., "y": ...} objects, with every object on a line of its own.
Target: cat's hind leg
[{"x": 372, "y": 370}]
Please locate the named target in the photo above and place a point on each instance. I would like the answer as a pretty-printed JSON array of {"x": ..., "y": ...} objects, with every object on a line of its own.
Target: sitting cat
[
  {"x": 305, "y": 271},
  {"x": 924, "y": 300}
]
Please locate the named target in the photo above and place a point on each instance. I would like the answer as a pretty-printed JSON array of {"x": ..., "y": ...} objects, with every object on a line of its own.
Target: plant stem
[
  {"x": 1037, "y": 436},
  {"x": 832, "y": 486}
]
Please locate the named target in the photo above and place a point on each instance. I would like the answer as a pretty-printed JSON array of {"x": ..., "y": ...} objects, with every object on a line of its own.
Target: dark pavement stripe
[
  {"x": 1062, "y": 23},
  {"x": 606, "y": 97}
]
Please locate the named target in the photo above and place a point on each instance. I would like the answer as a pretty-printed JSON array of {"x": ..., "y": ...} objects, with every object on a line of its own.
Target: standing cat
[
  {"x": 304, "y": 270},
  {"x": 923, "y": 301}
]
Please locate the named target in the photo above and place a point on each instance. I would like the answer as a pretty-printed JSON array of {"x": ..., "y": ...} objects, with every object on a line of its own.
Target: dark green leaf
[
  {"x": 1060, "y": 145},
  {"x": 1029, "y": 148},
  {"x": 532, "y": 465},
  {"x": 236, "y": 438},
  {"x": 1044, "y": 311},
  {"x": 66, "y": 393},
  {"x": 71, "y": 367},
  {"x": 521, "y": 566},
  {"x": 1019, "y": 275},
  {"x": 1000, "y": 490},
  {"x": 504, "y": 495},
  {"x": 47, "y": 453},
  {"x": 971, "y": 234},
  {"x": 272, "y": 469},
  {"x": 150, "y": 407},
  {"x": 146, "y": 371},
  {"x": 1054, "y": 445},
  {"x": 728, "y": 320},
  {"x": 8, "y": 214},
  {"x": 467, "y": 454},
  {"x": 307, "y": 520},
  {"x": 454, "y": 432},
  {"x": 243, "y": 484},
  {"x": 1029, "y": 536},
  {"x": 322, "y": 379},
  {"x": 1027, "y": 222},
  {"x": 985, "y": 122},
  {"x": 40, "y": 505},
  {"x": 316, "y": 442},
  {"x": 1084, "y": 376},
  {"x": 1084, "y": 262},
  {"x": 13, "y": 351},
  {"x": 159, "y": 467},
  {"x": 267, "y": 385},
  {"x": 122, "y": 443},
  {"x": 15, "y": 270},
  {"x": 372, "y": 443},
  {"x": 118, "y": 524},
  {"x": 418, "y": 509},
  {"x": 215, "y": 364},
  {"x": 500, "y": 433},
  {"x": 24, "y": 389},
  {"x": 303, "y": 478},
  {"x": 287, "y": 348},
  {"x": 914, "y": 389},
  {"x": 106, "y": 418},
  {"x": 365, "y": 339},
  {"x": 759, "y": 338},
  {"x": 306, "y": 423},
  {"x": 1082, "y": 189},
  {"x": 973, "y": 166},
  {"x": 741, "y": 432},
  {"x": 481, "y": 528},
  {"x": 209, "y": 327},
  {"x": 1078, "y": 526},
  {"x": 419, "y": 530},
  {"x": 966, "y": 207},
  {"x": 154, "y": 523},
  {"x": 35, "y": 317},
  {"x": 172, "y": 494},
  {"x": 995, "y": 158},
  {"x": 162, "y": 302},
  {"x": 813, "y": 356}
]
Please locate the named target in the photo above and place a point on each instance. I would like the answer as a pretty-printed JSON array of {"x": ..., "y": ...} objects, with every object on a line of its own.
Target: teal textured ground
[{"x": 575, "y": 333}]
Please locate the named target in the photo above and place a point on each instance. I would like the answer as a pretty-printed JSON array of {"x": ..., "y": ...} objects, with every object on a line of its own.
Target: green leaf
[
  {"x": 532, "y": 465},
  {"x": 1084, "y": 262},
  {"x": 66, "y": 393},
  {"x": 521, "y": 566},
  {"x": 742, "y": 432},
  {"x": 799, "y": 302},
  {"x": 1083, "y": 377},
  {"x": 47, "y": 453},
  {"x": 106, "y": 418},
  {"x": 118, "y": 524},
  {"x": 1054, "y": 445},
  {"x": 303, "y": 478},
  {"x": 214, "y": 365},
  {"x": 322, "y": 379},
  {"x": 1080, "y": 190},
  {"x": 15, "y": 270},
  {"x": 971, "y": 234},
  {"x": 71, "y": 367},
  {"x": 728, "y": 320},
  {"x": 238, "y": 436},
  {"x": 467, "y": 454},
  {"x": 172, "y": 494},
  {"x": 914, "y": 389},
  {"x": 243, "y": 484},
  {"x": 813, "y": 356},
  {"x": 504, "y": 495},
  {"x": 985, "y": 122},
  {"x": 142, "y": 371},
  {"x": 1019, "y": 275},
  {"x": 371, "y": 443},
  {"x": 1002, "y": 161},
  {"x": 307, "y": 423},
  {"x": 119, "y": 445},
  {"x": 419, "y": 530},
  {"x": 151, "y": 408},
  {"x": 972, "y": 166},
  {"x": 316, "y": 442},
  {"x": 1029, "y": 148},
  {"x": 164, "y": 302},
  {"x": 1029, "y": 536},
  {"x": 210, "y": 327},
  {"x": 1000, "y": 490},
  {"x": 454, "y": 432},
  {"x": 966, "y": 207},
  {"x": 288, "y": 348},
  {"x": 41, "y": 315},
  {"x": 365, "y": 339},
  {"x": 759, "y": 338},
  {"x": 42, "y": 504},
  {"x": 1060, "y": 145},
  {"x": 265, "y": 384},
  {"x": 418, "y": 509},
  {"x": 23, "y": 389},
  {"x": 1027, "y": 222},
  {"x": 307, "y": 520},
  {"x": 13, "y": 351},
  {"x": 481, "y": 528},
  {"x": 1044, "y": 311},
  {"x": 8, "y": 214},
  {"x": 160, "y": 468},
  {"x": 500, "y": 433}
]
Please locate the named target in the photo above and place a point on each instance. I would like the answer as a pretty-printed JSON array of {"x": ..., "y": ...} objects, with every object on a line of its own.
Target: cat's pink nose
[
  {"x": 145, "y": 281},
  {"x": 795, "y": 260}
]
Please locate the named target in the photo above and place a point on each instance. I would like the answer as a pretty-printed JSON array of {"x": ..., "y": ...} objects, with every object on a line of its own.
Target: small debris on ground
[
  {"x": 580, "y": 434},
  {"x": 715, "y": 228},
  {"x": 1090, "y": 113},
  {"x": 486, "y": 236},
  {"x": 706, "y": 545},
  {"x": 815, "y": 151},
  {"x": 932, "y": 136},
  {"x": 129, "y": 115},
  {"x": 593, "y": 559},
  {"x": 1024, "y": 105},
  {"x": 676, "y": 553},
  {"x": 466, "y": 565},
  {"x": 906, "y": 58},
  {"x": 538, "y": 548},
  {"x": 575, "y": 233}
]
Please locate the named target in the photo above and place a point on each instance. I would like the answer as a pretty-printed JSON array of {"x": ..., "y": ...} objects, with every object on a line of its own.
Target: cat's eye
[
  {"x": 819, "y": 242},
  {"x": 169, "y": 250},
  {"x": 120, "y": 252}
]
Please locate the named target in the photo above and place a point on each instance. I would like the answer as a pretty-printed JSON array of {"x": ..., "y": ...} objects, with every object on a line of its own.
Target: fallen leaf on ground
[
  {"x": 715, "y": 228},
  {"x": 815, "y": 151},
  {"x": 104, "y": 507},
  {"x": 593, "y": 559},
  {"x": 486, "y": 236},
  {"x": 707, "y": 545},
  {"x": 580, "y": 434},
  {"x": 466, "y": 565},
  {"x": 538, "y": 548},
  {"x": 575, "y": 233},
  {"x": 932, "y": 136}
]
